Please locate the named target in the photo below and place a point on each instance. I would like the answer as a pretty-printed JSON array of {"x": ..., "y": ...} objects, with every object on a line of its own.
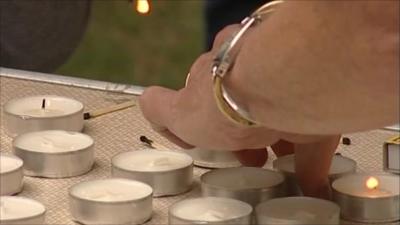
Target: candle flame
[
  {"x": 142, "y": 6},
  {"x": 372, "y": 183}
]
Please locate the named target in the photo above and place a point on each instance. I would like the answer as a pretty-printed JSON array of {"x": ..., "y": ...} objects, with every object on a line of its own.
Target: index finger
[{"x": 155, "y": 104}]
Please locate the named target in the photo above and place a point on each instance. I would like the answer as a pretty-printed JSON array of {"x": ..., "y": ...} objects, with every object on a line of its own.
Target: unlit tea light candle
[
  {"x": 368, "y": 197},
  {"x": 55, "y": 153},
  {"x": 111, "y": 201},
  {"x": 45, "y": 112},
  {"x": 248, "y": 184},
  {"x": 11, "y": 174},
  {"x": 169, "y": 173},
  {"x": 210, "y": 210},
  {"x": 213, "y": 158},
  {"x": 20, "y": 210},
  {"x": 340, "y": 166},
  {"x": 297, "y": 210}
]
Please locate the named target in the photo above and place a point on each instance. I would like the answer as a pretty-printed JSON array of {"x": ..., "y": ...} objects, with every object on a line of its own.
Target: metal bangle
[{"x": 223, "y": 63}]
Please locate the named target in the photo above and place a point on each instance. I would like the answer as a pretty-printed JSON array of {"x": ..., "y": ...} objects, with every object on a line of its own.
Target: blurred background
[{"x": 121, "y": 45}]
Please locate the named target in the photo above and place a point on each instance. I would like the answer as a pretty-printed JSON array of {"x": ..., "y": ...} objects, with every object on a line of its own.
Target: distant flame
[
  {"x": 372, "y": 183},
  {"x": 142, "y": 6}
]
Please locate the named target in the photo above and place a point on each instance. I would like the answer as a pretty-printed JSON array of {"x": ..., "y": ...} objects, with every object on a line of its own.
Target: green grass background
[{"x": 123, "y": 46}]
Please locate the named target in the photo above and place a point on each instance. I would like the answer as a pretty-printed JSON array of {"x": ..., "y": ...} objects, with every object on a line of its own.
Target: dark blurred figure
[
  {"x": 220, "y": 13},
  {"x": 40, "y": 35}
]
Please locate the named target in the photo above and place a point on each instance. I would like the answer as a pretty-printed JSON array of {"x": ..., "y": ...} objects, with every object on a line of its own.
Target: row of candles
[{"x": 231, "y": 195}]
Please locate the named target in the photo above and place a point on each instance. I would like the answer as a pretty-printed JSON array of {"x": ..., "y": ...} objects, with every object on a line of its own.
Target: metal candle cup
[
  {"x": 55, "y": 153},
  {"x": 210, "y": 210},
  {"x": 340, "y": 166},
  {"x": 26, "y": 114},
  {"x": 212, "y": 158},
  {"x": 248, "y": 184},
  {"x": 111, "y": 201},
  {"x": 167, "y": 172},
  {"x": 378, "y": 203},
  {"x": 297, "y": 211},
  {"x": 11, "y": 174},
  {"x": 20, "y": 210}
]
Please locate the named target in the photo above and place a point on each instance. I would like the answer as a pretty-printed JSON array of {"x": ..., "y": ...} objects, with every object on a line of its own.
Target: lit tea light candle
[
  {"x": 212, "y": 158},
  {"x": 55, "y": 153},
  {"x": 169, "y": 173},
  {"x": 45, "y": 112},
  {"x": 210, "y": 210},
  {"x": 111, "y": 201},
  {"x": 11, "y": 174},
  {"x": 297, "y": 210},
  {"x": 20, "y": 210},
  {"x": 368, "y": 198},
  {"x": 340, "y": 166},
  {"x": 248, "y": 184}
]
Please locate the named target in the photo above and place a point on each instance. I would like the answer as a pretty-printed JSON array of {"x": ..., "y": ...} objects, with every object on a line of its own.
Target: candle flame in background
[
  {"x": 372, "y": 183},
  {"x": 142, "y": 6}
]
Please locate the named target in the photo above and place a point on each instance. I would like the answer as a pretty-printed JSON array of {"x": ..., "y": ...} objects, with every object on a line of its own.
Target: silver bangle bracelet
[{"x": 223, "y": 63}]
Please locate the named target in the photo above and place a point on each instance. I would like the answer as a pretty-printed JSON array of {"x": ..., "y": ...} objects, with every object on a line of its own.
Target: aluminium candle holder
[
  {"x": 167, "y": 172},
  {"x": 26, "y": 114},
  {"x": 210, "y": 211},
  {"x": 11, "y": 174},
  {"x": 111, "y": 201},
  {"x": 361, "y": 204},
  {"x": 341, "y": 166},
  {"x": 50, "y": 153},
  {"x": 248, "y": 184},
  {"x": 212, "y": 158},
  {"x": 21, "y": 210}
]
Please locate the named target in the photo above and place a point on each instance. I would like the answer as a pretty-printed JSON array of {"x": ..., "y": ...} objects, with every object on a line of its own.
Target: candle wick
[{"x": 44, "y": 103}]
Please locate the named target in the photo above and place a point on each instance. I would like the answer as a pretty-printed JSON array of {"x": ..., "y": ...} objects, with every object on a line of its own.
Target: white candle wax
[
  {"x": 32, "y": 106},
  {"x": 355, "y": 185},
  {"x": 340, "y": 165},
  {"x": 111, "y": 190},
  {"x": 152, "y": 160},
  {"x": 53, "y": 141},
  {"x": 297, "y": 210},
  {"x": 9, "y": 163},
  {"x": 11, "y": 174},
  {"x": 18, "y": 208},
  {"x": 210, "y": 209},
  {"x": 27, "y": 114}
]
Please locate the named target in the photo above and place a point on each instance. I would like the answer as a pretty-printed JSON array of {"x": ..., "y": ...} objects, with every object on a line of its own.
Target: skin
[{"x": 313, "y": 70}]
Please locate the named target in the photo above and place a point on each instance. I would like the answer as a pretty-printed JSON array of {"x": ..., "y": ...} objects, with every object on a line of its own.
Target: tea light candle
[
  {"x": 55, "y": 153},
  {"x": 210, "y": 210},
  {"x": 20, "y": 210},
  {"x": 340, "y": 166},
  {"x": 213, "y": 158},
  {"x": 169, "y": 173},
  {"x": 248, "y": 184},
  {"x": 368, "y": 198},
  {"x": 46, "y": 112},
  {"x": 111, "y": 201},
  {"x": 11, "y": 174},
  {"x": 297, "y": 210}
]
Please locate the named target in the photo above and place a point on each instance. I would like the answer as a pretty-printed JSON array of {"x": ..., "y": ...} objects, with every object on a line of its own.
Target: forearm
[{"x": 322, "y": 67}]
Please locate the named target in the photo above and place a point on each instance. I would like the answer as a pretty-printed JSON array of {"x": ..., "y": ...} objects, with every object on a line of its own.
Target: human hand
[{"x": 190, "y": 117}]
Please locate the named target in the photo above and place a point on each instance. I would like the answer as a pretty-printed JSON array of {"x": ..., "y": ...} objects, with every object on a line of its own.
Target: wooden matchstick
[
  {"x": 152, "y": 144},
  {"x": 109, "y": 109}
]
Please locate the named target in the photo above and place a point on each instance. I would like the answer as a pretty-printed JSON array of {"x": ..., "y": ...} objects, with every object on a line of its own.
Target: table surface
[{"x": 119, "y": 132}]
